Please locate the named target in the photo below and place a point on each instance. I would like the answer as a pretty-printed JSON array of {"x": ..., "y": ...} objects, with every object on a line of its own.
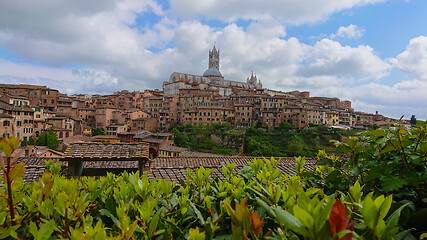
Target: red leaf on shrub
[
  {"x": 338, "y": 221},
  {"x": 256, "y": 223}
]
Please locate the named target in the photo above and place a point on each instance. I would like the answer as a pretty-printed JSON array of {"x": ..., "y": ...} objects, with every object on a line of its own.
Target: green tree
[
  {"x": 284, "y": 126},
  {"x": 48, "y": 139},
  {"x": 98, "y": 131}
]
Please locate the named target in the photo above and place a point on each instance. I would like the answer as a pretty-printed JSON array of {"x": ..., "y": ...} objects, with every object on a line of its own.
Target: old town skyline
[{"x": 371, "y": 52}]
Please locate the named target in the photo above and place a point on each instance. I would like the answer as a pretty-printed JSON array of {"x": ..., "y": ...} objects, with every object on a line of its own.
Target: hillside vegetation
[{"x": 284, "y": 141}]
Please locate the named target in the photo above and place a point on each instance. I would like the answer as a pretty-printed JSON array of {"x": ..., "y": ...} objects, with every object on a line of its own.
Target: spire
[
  {"x": 214, "y": 58},
  {"x": 213, "y": 64}
]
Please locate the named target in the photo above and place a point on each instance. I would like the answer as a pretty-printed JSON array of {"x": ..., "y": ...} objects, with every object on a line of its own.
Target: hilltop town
[{"x": 28, "y": 110}]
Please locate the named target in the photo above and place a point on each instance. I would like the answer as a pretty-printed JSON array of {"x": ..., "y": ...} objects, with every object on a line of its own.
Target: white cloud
[
  {"x": 290, "y": 11},
  {"x": 414, "y": 59},
  {"x": 352, "y": 31},
  {"x": 329, "y": 57},
  {"x": 267, "y": 28}
]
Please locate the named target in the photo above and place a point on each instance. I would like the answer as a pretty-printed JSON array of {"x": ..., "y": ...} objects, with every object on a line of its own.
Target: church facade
[{"x": 211, "y": 79}]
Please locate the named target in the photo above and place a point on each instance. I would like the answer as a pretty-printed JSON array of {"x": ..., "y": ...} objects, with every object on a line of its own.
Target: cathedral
[{"x": 211, "y": 79}]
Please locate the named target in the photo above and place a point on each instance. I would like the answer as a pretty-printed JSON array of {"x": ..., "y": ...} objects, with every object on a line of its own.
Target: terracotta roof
[
  {"x": 171, "y": 148},
  {"x": 199, "y": 154},
  {"x": 174, "y": 169},
  {"x": 154, "y": 140},
  {"x": 4, "y": 115},
  {"x": 142, "y": 134},
  {"x": 34, "y": 168},
  {"x": 111, "y": 164},
  {"x": 101, "y": 151},
  {"x": 77, "y": 138}
]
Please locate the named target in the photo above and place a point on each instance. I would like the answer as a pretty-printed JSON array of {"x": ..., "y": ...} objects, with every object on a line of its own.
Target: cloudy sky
[{"x": 372, "y": 52}]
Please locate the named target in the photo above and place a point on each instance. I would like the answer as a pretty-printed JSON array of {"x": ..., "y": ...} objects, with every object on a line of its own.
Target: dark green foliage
[
  {"x": 257, "y": 141},
  {"x": 198, "y": 138},
  {"x": 48, "y": 139},
  {"x": 98, "y": 131},
  {"x": 288, "y": 141},
  {"x": 30, "y": 141}
]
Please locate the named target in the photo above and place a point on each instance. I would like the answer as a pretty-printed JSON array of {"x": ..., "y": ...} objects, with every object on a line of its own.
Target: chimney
[{"x": 27, "y": 152}]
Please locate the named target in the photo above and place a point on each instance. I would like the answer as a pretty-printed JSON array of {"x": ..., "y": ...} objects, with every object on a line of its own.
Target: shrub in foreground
[{"x": 258, "y": 202}]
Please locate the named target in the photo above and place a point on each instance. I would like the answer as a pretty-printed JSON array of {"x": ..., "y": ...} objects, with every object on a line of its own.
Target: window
[
  {"x": 18, "y": 123},
  {"x": 6, "y": 123}
]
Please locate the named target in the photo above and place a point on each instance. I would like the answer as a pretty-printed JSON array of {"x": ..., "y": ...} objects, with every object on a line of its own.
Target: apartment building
[
  {"x": 63, "y": 126},
  {"x": 114, "y": 129},
  {"x": 38, "y": 95},
  {"x": 88, "y": 116},
  {"x": 6, "y": 123},
  {"x": 64, "y": 105},
  {"x": 362, "y": 118},
  {"x": 272, "y": 110},
  {"x": 244, "y": 115},
  {"x": 18, "y": 101},
  {"x": 134, "y": 113},
  {"x": 295, "y": 115},
  {"x": 314, "y": 113},
  {"x": 109, "y": 115},
  {"x": 21, "y": 124},
  {"x": 331, "y": 117}
]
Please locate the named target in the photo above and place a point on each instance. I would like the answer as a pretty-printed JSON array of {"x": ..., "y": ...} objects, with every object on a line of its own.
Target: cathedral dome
[{"x": 212, "y": 72}]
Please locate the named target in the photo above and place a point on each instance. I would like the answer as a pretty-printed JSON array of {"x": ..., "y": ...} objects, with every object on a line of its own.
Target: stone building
[{"x": 21, "y": 123}]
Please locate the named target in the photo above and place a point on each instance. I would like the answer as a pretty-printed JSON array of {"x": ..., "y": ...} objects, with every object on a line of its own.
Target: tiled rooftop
[
  {"x": 34, "y": 168},
  {"x": 173, "y": 148},
  {"x": 101, "y": 151},
  {"x": 168, "y": 168},
  {"x": 174, "y": 169}
]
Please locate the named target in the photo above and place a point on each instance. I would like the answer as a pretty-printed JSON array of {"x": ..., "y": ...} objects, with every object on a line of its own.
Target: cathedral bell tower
[
  {"x": 213, "y": 67},
  {"x": 214, "y": 58}
]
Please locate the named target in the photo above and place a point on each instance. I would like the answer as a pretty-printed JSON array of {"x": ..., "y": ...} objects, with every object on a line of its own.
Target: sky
[{"x": 371, "y": 52}]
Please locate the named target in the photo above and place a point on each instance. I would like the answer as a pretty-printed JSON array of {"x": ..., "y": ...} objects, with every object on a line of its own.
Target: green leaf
[
  {"x": 107, "y": 213},
  {"x": 341, "y": 234},
  {"x": 17, "y": 171},
  {"x": 197, "y": 212},
  {"x": 305, "y": 218},
  {"x": 45, "y": 231},
  {"x": 423, "y": 147},
  {"x": 392, "y": 183},
  {"x": 131, "y": 230},
  {"x": 385, "y": 206},
  {"x": 392, "y": 221},
  {"x": 288, "y": 220},
  {"x": 267, "y": 208},
  {"x": 153, "y": 223},
  {"x": 2, "y": 217},
  {"x": 11, "y": 231},
  {"x": 323, "y": 216},
  {"x": 370, "y": 213}
]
